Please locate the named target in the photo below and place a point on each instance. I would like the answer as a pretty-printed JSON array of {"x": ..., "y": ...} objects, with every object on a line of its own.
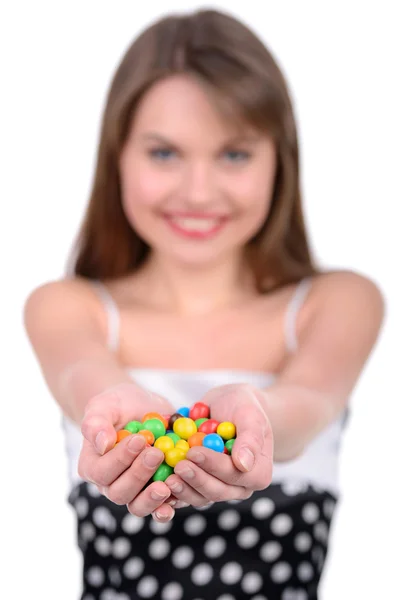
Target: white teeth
[{"x": 195, "y": 224}]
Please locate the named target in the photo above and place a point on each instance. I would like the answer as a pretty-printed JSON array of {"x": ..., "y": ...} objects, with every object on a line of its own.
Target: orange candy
[
  {"x": 148, "y": 435},
  {"x": 121, "y": 434},
  {"x": 196, "y": 439},
  {"x": 155, "y": 415}
]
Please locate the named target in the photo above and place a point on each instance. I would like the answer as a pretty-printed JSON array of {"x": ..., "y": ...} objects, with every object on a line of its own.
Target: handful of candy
[{"x": 175, "y": 434}]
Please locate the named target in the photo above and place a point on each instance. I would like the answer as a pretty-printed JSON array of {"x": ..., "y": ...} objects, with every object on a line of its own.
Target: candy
[
  {"x": 199, "y": 410},
  {"x": 155, "y": 426},
  {"x": 185, "y": 427},
  {"x": 172, "y": 420},
  {"x": 209, "y": 426},
  {"x": 164, "y": 443},
  {"x": 196, "y": 439},
  {"x": 148, "y": 436},
  {"x": 121, "y": 434},
  {"x": 134, "y": 426},
  {"x": 156, "y": 415},
  {"x": 226, "y": 430},
  {"x": 214, "y": 442},
  {"x": 163, "y": 472},
  {"x": 175, "y": 434},
  {"x": 172, "y": 457},
  {"x": 229, "y": 446},
  {"x": 182, "y": 444},
  {"x": 184, "y": 411}
]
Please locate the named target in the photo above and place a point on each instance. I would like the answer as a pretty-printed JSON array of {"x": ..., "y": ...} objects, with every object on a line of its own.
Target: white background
[{"x": 342, "y": 60}]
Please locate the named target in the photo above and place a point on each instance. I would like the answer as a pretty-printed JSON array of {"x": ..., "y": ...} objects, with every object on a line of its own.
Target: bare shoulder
[
  {"x": 61, "y": 303},
  {"x": 341, "y": 322},
  {"x": 348, "y": 290},
  {"x": 345, "y": 303}
]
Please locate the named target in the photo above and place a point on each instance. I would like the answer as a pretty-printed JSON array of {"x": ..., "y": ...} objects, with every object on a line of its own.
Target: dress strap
[
  {"x": 113, "y": 318},
  {"x": 293, "y": 308}
]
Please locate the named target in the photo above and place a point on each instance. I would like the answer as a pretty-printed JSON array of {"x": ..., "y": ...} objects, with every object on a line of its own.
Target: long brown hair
[{"x": 244, "y": 78}]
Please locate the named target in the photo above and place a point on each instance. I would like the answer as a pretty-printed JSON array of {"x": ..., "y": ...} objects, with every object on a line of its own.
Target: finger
[
  {"x": 211, "y": 488},
  {"x": 223, "y": 468},
  {"x": 219, "y": 465},
  {"x": 163, "y": 514},
  {"x": 98, "y": 424},
  {"x": 103, "y": 470},
  {"x": 111, "y": 410},
  {"x": 253, "y": 432},
  {"x": 125, "y": 488},
  {"x": 150, "y": 500},
  {"x": 184, "y": 493}
]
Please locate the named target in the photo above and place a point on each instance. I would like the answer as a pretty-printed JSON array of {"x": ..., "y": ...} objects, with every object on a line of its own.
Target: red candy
[
  {"x": 199, "y": 410},
  {"x": 209, "y": 426}
]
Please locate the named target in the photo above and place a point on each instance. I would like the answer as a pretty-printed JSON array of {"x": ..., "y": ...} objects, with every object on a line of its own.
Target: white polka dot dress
[{"x": 270, "y": 546}]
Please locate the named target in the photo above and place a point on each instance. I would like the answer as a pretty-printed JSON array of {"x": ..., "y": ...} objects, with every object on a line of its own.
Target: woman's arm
[
  {"x": 337, "y": 331},
  {"x": 65, "y": 327},
  {"x": 67, "y": 331},
  {"x": 334, "y": 344}
]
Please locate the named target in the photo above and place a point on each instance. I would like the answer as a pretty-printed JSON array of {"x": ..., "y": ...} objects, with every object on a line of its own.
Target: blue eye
[
  {"x": 237, "y": 155},
  {"x": 162, "y": 154}
]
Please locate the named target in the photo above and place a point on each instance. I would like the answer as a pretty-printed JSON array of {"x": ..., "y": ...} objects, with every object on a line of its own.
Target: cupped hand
[
  {"x": 121, "y": 471},
  {"x": 207, "y": 476}
]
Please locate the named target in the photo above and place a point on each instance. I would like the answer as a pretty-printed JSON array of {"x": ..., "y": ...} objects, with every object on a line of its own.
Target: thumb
[
  {"x": 252, "y": 430},
  {"x": 102, "y": 413}
]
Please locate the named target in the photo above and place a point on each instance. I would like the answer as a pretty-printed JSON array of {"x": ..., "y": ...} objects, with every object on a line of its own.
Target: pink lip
[
  {"x": 197, "y": 235},
  {"x": 194, "y": 215}
]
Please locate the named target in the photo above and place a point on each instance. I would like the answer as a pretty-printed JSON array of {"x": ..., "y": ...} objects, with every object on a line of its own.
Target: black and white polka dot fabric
[{"x": 270, "y": 547}]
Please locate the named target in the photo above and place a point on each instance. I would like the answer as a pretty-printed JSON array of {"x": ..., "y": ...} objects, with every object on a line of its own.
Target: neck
[{"x": 198, "y": 290}]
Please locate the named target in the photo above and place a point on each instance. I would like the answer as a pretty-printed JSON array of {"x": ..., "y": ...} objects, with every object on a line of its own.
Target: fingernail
[
  {"x": 197, "y": 458},
  {"x": 157, "y": 496},
  {"x": 171, "y": 502},
  {"x": 136, "y": 443},
  {"x": 152, "y": 459},
  {"x": 187, "y": 474},
  {"x": 181, "y": 504},
  {"x": 101, "y": 442},
  {"x": 162, "y": 517},
  {"x": 246, "y": 458},
  {"x": 177, "y": 488}
]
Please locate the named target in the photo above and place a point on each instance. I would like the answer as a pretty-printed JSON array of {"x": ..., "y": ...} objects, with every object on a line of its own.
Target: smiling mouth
[{"x": 196, "y": 226}]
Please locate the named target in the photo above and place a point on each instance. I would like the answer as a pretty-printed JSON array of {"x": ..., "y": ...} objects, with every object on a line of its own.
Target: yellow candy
[
  {"x": 226, "y": 430},
  {"x": 173, "y": 456},
  {"x": 164, "y": 443},
  {"x": 185, "y": 427},
  {"x": 182, "y": 444}
]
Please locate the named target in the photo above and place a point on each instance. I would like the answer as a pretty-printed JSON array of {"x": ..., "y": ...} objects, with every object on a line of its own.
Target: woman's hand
[
  {"x": 207, "y": 476},
  {"x": 121, "y": 472}
]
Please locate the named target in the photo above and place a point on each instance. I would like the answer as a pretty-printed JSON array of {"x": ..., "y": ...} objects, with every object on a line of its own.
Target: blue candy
[
  {"x": 214, "y": 442},
  {"x": 184, "y": 411}
]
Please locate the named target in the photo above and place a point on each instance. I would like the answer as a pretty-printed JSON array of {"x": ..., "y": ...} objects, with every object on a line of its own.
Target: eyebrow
[{"x": 244, "y": 138}]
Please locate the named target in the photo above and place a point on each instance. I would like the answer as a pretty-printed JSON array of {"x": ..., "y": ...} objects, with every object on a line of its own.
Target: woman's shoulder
[
  {"x": 344, "y": 296},
  {"x": 345, "y": 285},
  {"x": 68, "y": 300},
  {"x": 73, "y": 289}
]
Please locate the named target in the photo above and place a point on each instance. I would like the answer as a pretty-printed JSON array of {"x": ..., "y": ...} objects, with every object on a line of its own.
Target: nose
[{"x": 198, "y": 185}]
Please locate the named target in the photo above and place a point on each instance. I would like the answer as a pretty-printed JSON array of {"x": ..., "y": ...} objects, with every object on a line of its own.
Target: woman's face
[{"x": 193, "y": 189}]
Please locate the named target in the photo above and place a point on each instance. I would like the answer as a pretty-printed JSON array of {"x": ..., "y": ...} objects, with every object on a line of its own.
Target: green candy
[
  {"x": 174, "y": 436},
  {"x": 133, "y": 426},
  {"x": 156, "y": 427},
  {"x": 163, "y": 472},
  {"x": 200, "y": 421},
  {"x": 229, "y": 445}
]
